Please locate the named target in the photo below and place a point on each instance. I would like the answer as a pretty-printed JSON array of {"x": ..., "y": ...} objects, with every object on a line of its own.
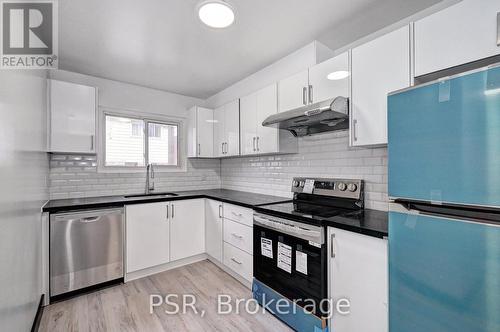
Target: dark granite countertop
[{"x": 242, "y": 198}]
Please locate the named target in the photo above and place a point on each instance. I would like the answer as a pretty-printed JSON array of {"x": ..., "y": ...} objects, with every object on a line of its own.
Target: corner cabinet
[
  {"x": 465, "y": 32},
  {"x": 227, "y": 130},
  {"x": 378, "y": 68},
  {"x": 358, "y": 271},
  {"x": 200, "y": 132},
  {"x": 255, "y": 138},
  {"x": 72, "y": 117}
]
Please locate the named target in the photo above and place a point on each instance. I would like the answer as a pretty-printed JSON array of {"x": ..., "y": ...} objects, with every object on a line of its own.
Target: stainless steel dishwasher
[{"x": 86, "y": 249}]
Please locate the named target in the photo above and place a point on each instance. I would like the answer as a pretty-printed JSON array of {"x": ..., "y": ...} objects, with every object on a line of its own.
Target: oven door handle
[{"x": 315, "y": 236}]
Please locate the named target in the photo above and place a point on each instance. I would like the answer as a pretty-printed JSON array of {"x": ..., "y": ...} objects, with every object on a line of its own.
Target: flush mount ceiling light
[
  {"x": 338, "y": 75},
  {"x": 216, "y": 13}
]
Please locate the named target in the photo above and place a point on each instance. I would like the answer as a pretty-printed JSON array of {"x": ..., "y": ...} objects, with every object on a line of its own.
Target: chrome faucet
[{"x": 150, "y": 174}]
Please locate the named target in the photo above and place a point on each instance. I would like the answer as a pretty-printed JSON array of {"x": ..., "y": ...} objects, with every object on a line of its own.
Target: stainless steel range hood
[{"x": 329, "y": 115}]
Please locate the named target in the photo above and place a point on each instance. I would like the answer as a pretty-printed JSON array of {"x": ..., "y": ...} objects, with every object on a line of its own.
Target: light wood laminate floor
[{"x": 126, "y": 307}]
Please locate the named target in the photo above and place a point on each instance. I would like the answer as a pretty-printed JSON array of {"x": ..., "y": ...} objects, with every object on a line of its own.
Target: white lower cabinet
[
  {"x": 147, "y": 235},
  {"x": 239, "y": 261},
  {"x": 238, "y": 235},
  {"x": 213, "y": 228},
  {"x": 159, "y": 233},
  {"x": 187, "y": 228},
  {"x": 238, "y": 240},
  {"x": 358, "y": 271}
]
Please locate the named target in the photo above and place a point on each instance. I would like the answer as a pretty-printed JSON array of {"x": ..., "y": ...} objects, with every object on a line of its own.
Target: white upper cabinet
[
  {"x": 329, "y": 79},
  {"x": 219, "y": 133},
  {"x": 267, "y": 104},
  {"x": 359, "y": 270},
  {"x": 72, "y": 114},
  {"x": 248, "y": 124},
  {"x": 378, "y": 67},
  {"x": 227, "y": 130},
  {"x": 293, "y": 91},
  {"x": 187, "y": 228},
  {"x": 255, "y": 108},
  {"x": 200, "y": 132},
  {"x": 232, "y": 128},
  {"x": 462, "y": 33}
]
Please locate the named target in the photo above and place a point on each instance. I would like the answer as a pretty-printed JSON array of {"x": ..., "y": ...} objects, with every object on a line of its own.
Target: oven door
[{"x": 290, "y": 258}]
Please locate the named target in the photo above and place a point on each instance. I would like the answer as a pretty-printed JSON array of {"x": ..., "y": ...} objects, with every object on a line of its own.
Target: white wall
[
  {"x": 23, "y": 190},
  {"x": 131, "y": 97},
  {"x": 293, "y": 63}
]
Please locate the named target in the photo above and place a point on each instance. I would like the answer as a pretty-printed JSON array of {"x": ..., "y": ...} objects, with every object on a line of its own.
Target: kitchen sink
[{"x": 151, "y": 195}]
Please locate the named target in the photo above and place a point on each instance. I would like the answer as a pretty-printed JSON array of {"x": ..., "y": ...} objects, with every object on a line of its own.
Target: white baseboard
[{"x": 164, "y": 267}]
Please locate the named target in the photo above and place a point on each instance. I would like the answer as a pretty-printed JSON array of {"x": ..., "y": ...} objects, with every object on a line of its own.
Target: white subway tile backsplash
[
  {"x": 325, "y": 155},
  {"x": 74, "y": 176}
]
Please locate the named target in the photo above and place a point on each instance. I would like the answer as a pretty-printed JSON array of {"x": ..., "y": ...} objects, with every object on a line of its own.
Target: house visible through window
[{"x": 129, "y": 145}]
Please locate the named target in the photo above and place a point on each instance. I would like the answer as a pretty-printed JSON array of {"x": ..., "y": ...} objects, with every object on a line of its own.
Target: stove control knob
[
  {"x": 295, "y": 183},
  {"x": 352, "y": 187},
  {"x": 342, "y": 186}
]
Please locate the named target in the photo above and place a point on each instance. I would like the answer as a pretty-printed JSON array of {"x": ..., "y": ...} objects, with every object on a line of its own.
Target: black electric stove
[{"x": 330, "y": 202}]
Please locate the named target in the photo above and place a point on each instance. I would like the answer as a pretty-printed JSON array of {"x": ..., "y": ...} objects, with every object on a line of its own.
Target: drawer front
[
  {"x": 239, "y": 214},
  {"x": 238, "y": 235},
  {"x": 238, "y": 261}
]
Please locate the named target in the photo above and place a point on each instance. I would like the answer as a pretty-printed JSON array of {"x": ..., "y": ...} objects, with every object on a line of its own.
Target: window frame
[{"x": 146, "y": 118}]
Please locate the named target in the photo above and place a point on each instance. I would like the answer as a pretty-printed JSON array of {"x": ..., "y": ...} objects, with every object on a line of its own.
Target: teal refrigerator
[{"x": 444, "y": 219}]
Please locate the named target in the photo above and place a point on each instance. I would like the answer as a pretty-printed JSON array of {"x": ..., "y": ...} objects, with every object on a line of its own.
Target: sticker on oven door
[
  {"x": 266, "y": 247},
  {"x": 301, "y": 262},
  {"x": 285, "y": 257}
]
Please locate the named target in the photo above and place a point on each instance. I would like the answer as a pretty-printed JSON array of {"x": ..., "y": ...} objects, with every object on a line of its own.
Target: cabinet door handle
[
  {"x": 173, "y": 211},
  {"x": 237, "y": 235},
  {"x": 258, "y": 149},
  {"x": 237, "y": 214},
  {"x": 333, "y": 248},
  {"x": 253, "y": 144},
  {"x": 354, "y": 133},
  {"x": 498, "y": 29},
  {"x": 220, "y": 210},
  {"x": 168, "y": 212},
  {"x": 91, "y": 142},
  {"x": 310, "y": 94},
  {"x": 199, "y": 149},
  {"x": 304, "y": 93},
  {"x": 236, "y": 261}
]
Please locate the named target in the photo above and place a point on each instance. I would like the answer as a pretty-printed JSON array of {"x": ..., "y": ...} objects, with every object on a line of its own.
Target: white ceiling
[{"x": 161, "y": 43}]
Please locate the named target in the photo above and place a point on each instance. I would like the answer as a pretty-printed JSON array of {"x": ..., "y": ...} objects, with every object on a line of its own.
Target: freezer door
[
  {"x": 444, "y": 141},
  {"x": 85, "y": 249},
  {"x": 443, "y": 274}
]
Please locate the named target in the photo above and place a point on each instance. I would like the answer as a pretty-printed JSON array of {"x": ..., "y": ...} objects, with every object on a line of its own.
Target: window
[{"x": 129, "y": 145}]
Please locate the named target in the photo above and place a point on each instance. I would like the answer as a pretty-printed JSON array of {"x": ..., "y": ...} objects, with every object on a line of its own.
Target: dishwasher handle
[{"x": 85, "y": 216}]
